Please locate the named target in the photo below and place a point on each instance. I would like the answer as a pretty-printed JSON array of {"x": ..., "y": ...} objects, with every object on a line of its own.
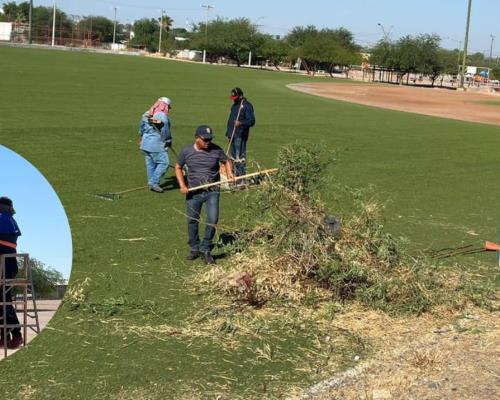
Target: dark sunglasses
[{"x": 205, "y": 140}]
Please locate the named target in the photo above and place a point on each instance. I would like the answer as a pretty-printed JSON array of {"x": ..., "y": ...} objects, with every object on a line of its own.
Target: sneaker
[
  {"x": 193, "y": 255},
  {"x": 15, "y": 342},
  {"x": 156, "y": 188},
  {"x": 207, "y": 257}
]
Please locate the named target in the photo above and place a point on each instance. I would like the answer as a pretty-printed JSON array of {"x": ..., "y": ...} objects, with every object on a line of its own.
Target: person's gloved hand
[{"x": 168, "y": 143}]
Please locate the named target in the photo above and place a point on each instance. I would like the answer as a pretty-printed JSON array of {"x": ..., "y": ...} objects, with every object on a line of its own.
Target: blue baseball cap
[{"x": 205, "y": 132}]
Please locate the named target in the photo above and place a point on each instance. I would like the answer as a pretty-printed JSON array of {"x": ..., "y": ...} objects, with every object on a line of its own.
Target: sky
[
  {"x": 40, "y": 215},
  {"x": 399, "y": 17}
]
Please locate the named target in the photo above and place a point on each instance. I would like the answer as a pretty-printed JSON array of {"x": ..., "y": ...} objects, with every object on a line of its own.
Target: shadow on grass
[{"x": 170, "y": 183}]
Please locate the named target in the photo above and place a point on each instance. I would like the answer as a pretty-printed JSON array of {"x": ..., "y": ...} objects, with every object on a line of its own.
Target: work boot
[
  {"x": 207, "y": 257},
  {"x": 15, "y": 342},
  {"x": 156, "y": 188},
  {"x": 193, "y": 255}
]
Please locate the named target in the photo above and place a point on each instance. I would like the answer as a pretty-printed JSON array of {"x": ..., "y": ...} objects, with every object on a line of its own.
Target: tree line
[
  {"x": 331, "y": 50},
  {"x": 423, "y": 55}
]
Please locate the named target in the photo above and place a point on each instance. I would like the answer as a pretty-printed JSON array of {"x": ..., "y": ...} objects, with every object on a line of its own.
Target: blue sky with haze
[
  {"x": 46, "y": 234},
  {"x": 444, "y": 17}
]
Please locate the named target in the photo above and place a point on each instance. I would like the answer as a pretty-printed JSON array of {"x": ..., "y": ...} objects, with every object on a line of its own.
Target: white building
[{"x": 5, "y": 31}]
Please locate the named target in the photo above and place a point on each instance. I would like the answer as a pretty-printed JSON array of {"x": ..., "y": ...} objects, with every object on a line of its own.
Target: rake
[
  {"x": 236, "y": 179},
  {"x": 113, "y": 196},
  {"x": 465, "y": 250}
]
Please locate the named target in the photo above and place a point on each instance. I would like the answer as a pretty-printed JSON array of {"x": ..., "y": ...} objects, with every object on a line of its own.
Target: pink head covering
[{"x": 161, "y": 105}]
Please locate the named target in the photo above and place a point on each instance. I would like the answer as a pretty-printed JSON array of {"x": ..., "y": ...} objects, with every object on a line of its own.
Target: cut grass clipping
[{"x": 292, "y": 256}]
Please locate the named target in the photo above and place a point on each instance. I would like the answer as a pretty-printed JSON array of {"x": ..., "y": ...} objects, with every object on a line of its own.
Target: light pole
[
  {"x": 54, "y": 25},
  {"x": 161, "y": 28},
  {"x": 250, "y": 51},
  {"x": 30, "y": 16},
  {"x": 491, "y": 49},
  {"x": 386, "y": 34},
  {"x": 208, "y": 7},
  {"x": 466, "y": 43},
  {"x": 114, "y": 30}
]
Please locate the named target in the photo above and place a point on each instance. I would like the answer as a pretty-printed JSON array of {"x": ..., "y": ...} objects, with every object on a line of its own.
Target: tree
[
  {"x": 232, "y": 39},
  {"x": 384, "y": 53},
  {"x": 146, "y": 33},
  {"x": 44, "y": 278},
  {"x": 98, "y": 28},
  {"x": 15, "y": 13},
  {"x": 449, "y": 60},
  {"x": 495, "y": 72},
  {"x": 429, "y": 61},
  {"x": 324, "y": 48},
  {"x": 300, "y": 34},
  {"x": 273, "y": 50}
]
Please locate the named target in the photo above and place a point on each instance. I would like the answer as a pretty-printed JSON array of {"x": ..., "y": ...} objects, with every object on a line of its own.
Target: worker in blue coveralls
[
  {"x": 156, "y": 137},
  {"x": 241, "y": 119},
  {"x": 9, "y": 232}
]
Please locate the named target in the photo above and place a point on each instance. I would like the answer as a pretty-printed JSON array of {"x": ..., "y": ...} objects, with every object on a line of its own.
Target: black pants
[{"x": 11, "y": 269}]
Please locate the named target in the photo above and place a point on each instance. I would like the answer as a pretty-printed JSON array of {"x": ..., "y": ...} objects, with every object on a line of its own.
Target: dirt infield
[{"x": 464, "y": 106}]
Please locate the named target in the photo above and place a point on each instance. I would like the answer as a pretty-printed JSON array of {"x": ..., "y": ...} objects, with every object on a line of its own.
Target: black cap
[
  {"x": 6, "y": 201},
  {"x": 236, "y": 92},
  {"x": 205, "y": 132}
]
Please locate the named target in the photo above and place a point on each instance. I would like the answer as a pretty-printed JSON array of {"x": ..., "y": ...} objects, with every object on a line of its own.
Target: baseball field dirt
[{"x": 464, "y": 106}]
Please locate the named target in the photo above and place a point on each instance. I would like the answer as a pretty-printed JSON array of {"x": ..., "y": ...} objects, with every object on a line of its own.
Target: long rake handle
[
  {"x": 130, "y": 190},
  {"x": 234, "y": 127},
  {"x": 137, "y": 188},
  {"x": 207, "y": 185}
]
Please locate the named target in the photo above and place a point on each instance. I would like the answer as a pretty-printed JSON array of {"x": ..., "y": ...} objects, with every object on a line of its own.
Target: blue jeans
[
  {"x": 238, "y": 154},
  {"x": 194, "y": 203},
  {"x": 156, "y": 165}
]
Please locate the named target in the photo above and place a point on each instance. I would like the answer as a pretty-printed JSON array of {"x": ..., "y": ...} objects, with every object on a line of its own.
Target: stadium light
[
  {"x": 161, "y": 28},
  {"x": 208, "y": 7},
  {"x": 466, "y": 42},
  {"x": 114, "y": 30},
  {"x": 386, "y": 33},
  {"x": 54, "y": 25},
  {"x": 30, "y": 20},
  {"x": 491, "y": 49}
]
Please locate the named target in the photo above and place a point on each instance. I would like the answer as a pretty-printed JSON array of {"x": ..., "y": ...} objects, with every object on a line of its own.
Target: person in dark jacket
[
  {"x": 241, "y": 119},
  {"x": 9, "y": 232}
]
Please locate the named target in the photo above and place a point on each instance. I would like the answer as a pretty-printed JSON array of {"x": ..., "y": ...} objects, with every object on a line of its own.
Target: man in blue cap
[
  {"x": 9, "y": 232},
  {"x": 203, "y": 160}
]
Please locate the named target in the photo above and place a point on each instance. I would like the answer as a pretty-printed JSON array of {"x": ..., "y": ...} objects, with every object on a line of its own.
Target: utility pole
[
  {"x": 208, "y": 7},
  {"x": 30, "y": 16},
  {"x": 491, "y": 49},
  {"x": 114, "y": 30},
  {"x": 54, "y": 25},
  {"x": 466, "y": 43},
  {"x": 161, "y": 28}
]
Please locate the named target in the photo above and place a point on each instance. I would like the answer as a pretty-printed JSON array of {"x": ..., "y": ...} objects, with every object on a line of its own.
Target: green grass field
[
  {"x": 491, "y": 102},
  {"x": 75, "y": 117}
]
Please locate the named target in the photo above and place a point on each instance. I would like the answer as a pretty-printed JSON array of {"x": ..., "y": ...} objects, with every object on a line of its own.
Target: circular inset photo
[{"x": 35, "y": 252}]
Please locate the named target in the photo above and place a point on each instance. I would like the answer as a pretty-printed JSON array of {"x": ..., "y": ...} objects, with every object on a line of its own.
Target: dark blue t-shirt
[{"x": 203, "y": 165}]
